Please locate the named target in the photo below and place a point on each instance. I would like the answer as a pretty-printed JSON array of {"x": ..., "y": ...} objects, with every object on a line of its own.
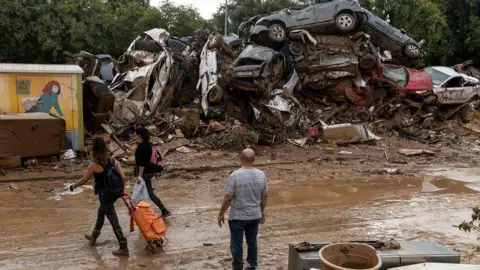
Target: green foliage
[
  {"x": 39, "y": 31},
  {"x": 468, "y": 226}
]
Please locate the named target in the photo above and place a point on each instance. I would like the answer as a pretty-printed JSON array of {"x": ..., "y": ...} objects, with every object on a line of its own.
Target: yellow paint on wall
[
  {"x": 4, "y": 96},
  {"x": 41, "y": 88}
]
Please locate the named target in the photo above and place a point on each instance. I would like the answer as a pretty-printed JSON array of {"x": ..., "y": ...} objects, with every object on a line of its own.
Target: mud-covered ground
[{"x": 316, "y": 194}]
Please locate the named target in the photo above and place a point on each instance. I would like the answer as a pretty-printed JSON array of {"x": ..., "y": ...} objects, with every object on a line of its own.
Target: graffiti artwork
[{"x": 44, "y": 103}]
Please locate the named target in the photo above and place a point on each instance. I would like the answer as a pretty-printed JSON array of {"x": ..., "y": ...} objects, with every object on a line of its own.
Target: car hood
[
  {"x": 419, "y": 80},
  {"x": 255, "y": 54}
]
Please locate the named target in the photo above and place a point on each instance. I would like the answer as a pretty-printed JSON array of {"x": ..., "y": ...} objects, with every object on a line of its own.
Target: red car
[
  {"x": 390, "y": 81},
  {"x": 409, "y": 80}
]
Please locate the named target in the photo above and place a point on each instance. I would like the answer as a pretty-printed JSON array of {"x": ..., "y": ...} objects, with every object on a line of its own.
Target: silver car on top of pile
[{"x": 321, "y": 16}]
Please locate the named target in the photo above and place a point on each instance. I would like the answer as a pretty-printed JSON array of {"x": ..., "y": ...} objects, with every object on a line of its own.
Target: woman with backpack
[
  {"x": 109, "y": 185},
  {"x": 144, "y": 170}
]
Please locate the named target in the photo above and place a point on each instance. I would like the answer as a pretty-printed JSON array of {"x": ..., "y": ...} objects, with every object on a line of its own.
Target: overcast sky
[{"x": 205, "y": 7}]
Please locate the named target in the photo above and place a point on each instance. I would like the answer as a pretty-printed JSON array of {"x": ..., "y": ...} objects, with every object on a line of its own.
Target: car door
[
  {"x": 325, "y": 10},
  {"x": 303, "y": 17},
  {"x": 453, "y": 91}
]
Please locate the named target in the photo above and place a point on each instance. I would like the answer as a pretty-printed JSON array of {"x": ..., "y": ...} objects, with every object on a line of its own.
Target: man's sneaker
[{"x": 166, "y": 214}]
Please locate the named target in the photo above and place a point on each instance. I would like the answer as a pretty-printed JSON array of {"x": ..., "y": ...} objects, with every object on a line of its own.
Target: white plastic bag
[{"x": 140, "y": 193}]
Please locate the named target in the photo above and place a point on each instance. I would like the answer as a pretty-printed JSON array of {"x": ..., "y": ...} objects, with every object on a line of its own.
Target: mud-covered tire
[
  {"x": 345, "y": 22},
  {"x": 215, "y": 95},
  {"x": 295, "y": 48},
  {"x": 412, "y": 51},
  {"x": 277, "y": 33},
  {"x": 466, "y": 113},
  {"x": 368, "y": 62}
]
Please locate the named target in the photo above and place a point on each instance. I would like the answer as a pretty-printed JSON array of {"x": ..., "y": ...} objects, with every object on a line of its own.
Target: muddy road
[{"x": 316, "y": 194}]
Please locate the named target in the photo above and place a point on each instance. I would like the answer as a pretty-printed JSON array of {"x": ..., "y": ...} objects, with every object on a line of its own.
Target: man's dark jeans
[
  {"x": 148, "y": 184},
  {"x": 250, "y": 227}
]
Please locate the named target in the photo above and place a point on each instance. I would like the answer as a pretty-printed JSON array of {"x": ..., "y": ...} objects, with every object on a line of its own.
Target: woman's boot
[
  {"x": 92, "y": 238},
  {"x": 123, "y": 250}
]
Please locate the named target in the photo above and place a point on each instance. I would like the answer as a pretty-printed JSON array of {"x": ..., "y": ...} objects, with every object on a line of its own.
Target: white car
[{"x": 451, "y": 87}]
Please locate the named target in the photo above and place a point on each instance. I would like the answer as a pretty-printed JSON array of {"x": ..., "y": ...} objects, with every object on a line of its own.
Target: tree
[
  {"x": 38, "y": 31},
  {"x": 181, "y": 20}
]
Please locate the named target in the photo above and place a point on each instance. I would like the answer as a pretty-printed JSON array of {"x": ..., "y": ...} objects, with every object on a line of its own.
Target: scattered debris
[
  {"x": 60, "y": 193},
  {"x": 70, "y": 154},
  {"x": 183, "y": 150},
  {"x": 12, "y": 186},
  {"x": 348, "y": 133},
  {"x": 391, "y": 170},
  {"x": 345, "y": 153},
  {"x": 415, "y": 152},
  {"x": 298, "y": 142}
]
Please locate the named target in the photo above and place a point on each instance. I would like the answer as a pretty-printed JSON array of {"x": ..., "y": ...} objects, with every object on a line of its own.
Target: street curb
[{"x": 178, "y": 170}]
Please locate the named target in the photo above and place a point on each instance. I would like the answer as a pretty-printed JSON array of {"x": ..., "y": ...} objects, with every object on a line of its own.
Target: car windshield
[
  {"x": 399, "y": 75},
  {"x": 438, "y": 77}
]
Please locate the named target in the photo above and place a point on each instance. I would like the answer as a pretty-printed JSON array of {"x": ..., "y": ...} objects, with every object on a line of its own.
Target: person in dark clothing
[
  {"x": 107, "y": 200},
  {"x": 142, "y": 159}
]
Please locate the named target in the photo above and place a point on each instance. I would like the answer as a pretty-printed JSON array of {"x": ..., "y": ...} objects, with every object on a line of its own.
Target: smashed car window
[
  {"x": 396, "y": 74},
  {"x": 438, "y": 77},
  {"x": 454, "y": 82}
]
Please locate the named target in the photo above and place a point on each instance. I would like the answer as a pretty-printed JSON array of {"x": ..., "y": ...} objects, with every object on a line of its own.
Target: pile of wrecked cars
[{"x": 331, "y": 61}]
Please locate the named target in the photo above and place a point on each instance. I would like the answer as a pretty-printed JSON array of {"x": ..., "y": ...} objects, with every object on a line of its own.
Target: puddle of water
[
  {"x": 468, "y": 175},
  {"x": 468, "y": 178},
  {"x": 429, "y": 187}
]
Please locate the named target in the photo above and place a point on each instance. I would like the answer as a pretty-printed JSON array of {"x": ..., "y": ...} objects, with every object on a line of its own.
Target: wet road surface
[{"x": 316, "y": 200}]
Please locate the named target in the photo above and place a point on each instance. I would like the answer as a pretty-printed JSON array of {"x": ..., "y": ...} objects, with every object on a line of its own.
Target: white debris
[{"x": 70, "y": 154}]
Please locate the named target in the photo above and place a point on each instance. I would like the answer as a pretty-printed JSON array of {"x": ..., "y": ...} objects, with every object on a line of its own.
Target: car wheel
[
  {"x": 215, "y": 95},
  {"x": 277, "y": 32},
  {"x": 466, "y": 113},
  {"x": 345, "y": 22},
  {"x": 412, "y": 50},
  {"x": 295, "y": 48}
]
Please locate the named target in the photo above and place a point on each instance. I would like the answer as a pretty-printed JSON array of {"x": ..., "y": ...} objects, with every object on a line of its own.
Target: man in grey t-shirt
[{"x": 246, "y": 194}]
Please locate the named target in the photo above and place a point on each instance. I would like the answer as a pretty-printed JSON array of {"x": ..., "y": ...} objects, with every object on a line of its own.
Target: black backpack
[{"x": 113, "y": 182}]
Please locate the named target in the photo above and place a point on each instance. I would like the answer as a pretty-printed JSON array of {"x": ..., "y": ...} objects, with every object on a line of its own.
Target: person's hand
[
  {"x": 221, "y": 220},
  {"x": 70, "y": 188},
  {"x": 262, "y": 220},
  {"x": 139, "y": 180}
]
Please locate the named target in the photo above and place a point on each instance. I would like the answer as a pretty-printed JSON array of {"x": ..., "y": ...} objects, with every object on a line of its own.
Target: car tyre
[
  {"x": 345, "y": 22},
  {"x": 277, "y": 33},
  {"x": 215, "y": 95},
  {"x": 466, "y": 113},
  {"x": 412, "y": 51}
]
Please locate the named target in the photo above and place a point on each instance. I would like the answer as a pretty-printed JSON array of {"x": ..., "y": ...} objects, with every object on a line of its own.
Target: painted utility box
[{"x": 53, "y": 89}]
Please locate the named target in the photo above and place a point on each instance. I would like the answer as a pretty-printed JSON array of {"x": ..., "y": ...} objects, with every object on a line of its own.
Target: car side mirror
[
  {"x": 422, "y": 42},
  {"x": 288, "y": 11},
  {"x": 403, "y": 31}
]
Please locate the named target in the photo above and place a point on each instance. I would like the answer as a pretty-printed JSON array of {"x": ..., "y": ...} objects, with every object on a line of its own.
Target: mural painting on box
[{"x": 46, "y": 101}]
